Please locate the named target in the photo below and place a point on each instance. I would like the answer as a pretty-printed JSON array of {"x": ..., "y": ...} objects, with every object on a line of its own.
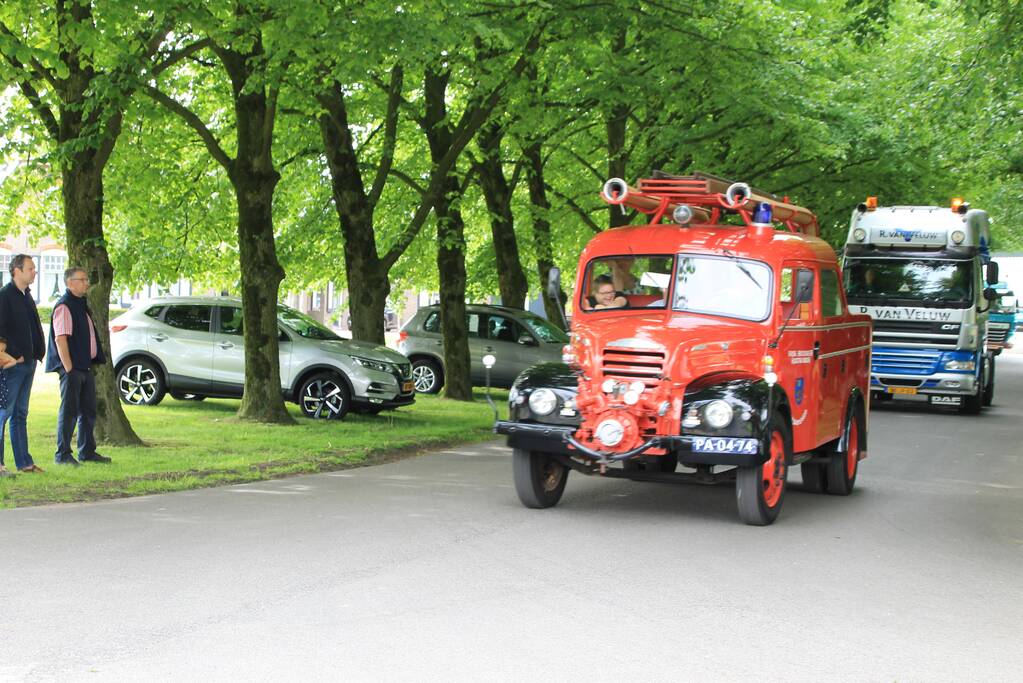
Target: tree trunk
[
  {"x": 254, "y": 179},
  {"x": 450, "y": 245},
  {"x": 542, "y": 245},
  {"x": 498, "y": 195},
  {"x": 617, "y": 154},
  {"x": 82, "y": 195}
]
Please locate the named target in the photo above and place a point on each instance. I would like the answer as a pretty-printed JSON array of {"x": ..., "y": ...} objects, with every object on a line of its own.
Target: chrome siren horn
[
  {"x": 737, "y": 193},
  {"x": 615, "y": 191}
]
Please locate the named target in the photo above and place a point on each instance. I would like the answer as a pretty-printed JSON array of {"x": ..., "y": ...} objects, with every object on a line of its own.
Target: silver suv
[
  {"x": 518, "y": 339},
  {"x": 192, "y": 347}
]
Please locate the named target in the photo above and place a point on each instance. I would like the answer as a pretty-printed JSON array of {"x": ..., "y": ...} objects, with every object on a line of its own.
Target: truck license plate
[
  {"x": 406, "y": 387},
  {"x": 901, "y": 390},
  {"x": 704, "y": 444}
]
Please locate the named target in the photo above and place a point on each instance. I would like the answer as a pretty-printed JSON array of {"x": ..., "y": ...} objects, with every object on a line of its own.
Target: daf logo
[{"x": 949, "y": 327}]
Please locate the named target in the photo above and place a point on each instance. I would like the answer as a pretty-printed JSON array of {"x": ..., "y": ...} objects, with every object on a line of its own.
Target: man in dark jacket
[
  {"x": 74, "y": 347},
  {"x": 20, "y": 327}
]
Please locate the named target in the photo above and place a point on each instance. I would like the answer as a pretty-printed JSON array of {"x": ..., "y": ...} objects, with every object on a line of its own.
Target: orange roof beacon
[{"x": 715, "y": 338}]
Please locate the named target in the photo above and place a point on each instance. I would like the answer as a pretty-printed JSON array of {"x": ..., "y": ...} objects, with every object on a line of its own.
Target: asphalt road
[{"x": 430, "y": 569}]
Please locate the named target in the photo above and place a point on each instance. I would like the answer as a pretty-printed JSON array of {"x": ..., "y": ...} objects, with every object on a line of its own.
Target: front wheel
[
  {"x": 325, "y": 396},
  {"x": 760, "y": 490},
  {"x": 140, "y": 383},
  {"x": 427, "y": 376},
  {"x": 989, "y": 388},
  {"x": 539, "y": 478}
]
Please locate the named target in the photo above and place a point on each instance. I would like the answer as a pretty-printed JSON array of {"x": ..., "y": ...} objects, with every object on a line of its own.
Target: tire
[
  {"x": 178, "y": 396},
  {"x": 972, "y": 405},
  {"x": 760, "y": 490},
  {"x": 989, "y": 388},
  {"x": 539, "y": 479},
  {"x": 815, "y": 477},
  {"x": 427, "y": 377},
  {"x": 325, "y": 396},
  {"x": 845, "y": 465},
  {"x": 140, "y": 383}
]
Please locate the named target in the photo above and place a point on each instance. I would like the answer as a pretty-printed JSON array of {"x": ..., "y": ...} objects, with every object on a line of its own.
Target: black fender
[
  {"x": 854, "y": 400},
  {"x": 752, "y": 399},
  {"x": 559, "y": 378}
]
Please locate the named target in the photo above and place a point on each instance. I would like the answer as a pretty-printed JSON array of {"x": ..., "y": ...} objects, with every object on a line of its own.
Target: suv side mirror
[
  {"x": 527, "y": 340},
  {"x": 992, "y": 273}
]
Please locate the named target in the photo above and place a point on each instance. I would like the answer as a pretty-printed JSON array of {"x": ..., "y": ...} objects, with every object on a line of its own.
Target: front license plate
[
  {"x": 406, "y": 387},
  {"x": 710, "y": 444},
  {"x": 901, "y": 390}
]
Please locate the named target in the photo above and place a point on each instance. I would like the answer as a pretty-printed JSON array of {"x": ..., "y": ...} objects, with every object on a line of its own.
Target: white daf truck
[{"x": 922, "y": 273}]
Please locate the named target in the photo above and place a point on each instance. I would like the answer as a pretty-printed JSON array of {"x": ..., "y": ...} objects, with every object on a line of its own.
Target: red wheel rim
[
  {"x": 772, "y": 472},
  {"x": 852, "y": 452}
]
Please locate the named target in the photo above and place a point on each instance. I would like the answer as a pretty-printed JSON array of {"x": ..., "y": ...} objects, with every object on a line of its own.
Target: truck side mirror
[
  {"x": 992, "y": 273},
  {"x": 990, "y": 294},
  {"x": 554, "y": 283}
]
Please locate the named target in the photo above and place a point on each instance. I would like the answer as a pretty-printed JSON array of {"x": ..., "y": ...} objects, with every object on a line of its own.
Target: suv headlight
[
  {"x": 373, "y": 364},
  {"x": 543, "y": 402},
  {"x": 717, "y": 414}
]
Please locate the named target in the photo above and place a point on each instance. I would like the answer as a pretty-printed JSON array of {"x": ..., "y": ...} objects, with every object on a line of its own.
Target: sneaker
[
  {"x": 67, "y": 461},
  {"x": 95, "y": 457}
]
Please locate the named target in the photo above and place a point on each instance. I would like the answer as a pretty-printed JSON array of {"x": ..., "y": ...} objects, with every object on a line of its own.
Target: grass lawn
[{"x": 196, "y": 444}]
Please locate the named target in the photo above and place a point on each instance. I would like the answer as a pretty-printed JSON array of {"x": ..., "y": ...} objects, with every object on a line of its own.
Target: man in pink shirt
[{"x": 74, "y": 347}]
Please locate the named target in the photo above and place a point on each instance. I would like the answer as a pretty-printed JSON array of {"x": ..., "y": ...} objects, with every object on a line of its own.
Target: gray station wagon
[
  {"x": 192, "y": 347},
  {"x": 518, "y": 339}
]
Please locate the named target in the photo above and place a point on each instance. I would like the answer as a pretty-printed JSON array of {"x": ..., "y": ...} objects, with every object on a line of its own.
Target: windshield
[
  {"x": 544, "y": 330},
  {"x": 880, "y": 281},
  {"x": 1005, "y": 304},
  {"x": 726, "y": 286},
  {"x": 626, "y": 281},
  {"x": 303, "y": 325}
]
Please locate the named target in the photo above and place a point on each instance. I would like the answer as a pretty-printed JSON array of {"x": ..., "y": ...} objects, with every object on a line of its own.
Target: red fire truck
[{"x": 711, "y": 345}]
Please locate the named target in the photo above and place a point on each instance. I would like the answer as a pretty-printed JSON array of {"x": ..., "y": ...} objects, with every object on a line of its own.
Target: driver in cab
[{"x": 605, "y": 295}]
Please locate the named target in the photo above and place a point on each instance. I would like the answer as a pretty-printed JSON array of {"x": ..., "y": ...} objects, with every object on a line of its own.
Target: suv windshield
[
  {"x": 725, "y": 286},
  {"x": 303, "y": 325},
  {"x": 544, "y": 330},
  {"x": 877, "y": 281}
]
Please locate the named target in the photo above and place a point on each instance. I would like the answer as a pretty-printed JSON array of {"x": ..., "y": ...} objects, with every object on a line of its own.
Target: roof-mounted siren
[
  {"x": 869, "y": 205},
  {"x": 736, "y": 194},
  {"x": 764, "y": 208},
  {"x": 617, "y": 192}
]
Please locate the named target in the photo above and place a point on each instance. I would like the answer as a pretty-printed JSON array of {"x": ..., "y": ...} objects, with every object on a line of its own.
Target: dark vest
[{"x": 78, "y": 342}]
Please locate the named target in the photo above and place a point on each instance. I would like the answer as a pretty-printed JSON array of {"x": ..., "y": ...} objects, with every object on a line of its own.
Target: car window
[
  {"x": 831, "y": 299},
  {"x": 500, "y": 328},
  {"x": 230, "y": 320},
  {"x": 189, "y": 317},
  {"x": 545, "y": 330},
  {"x": 154, "y": 311},
  {"x": 303, "y": 325},
  {"x": 472, "y": 323}
]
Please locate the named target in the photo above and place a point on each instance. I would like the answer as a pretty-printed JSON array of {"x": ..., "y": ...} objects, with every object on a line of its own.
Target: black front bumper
[{"x": 530, "y": 436}]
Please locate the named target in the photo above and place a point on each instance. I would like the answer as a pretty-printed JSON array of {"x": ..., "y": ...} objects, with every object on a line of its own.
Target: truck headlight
[
  {"x": 961, "y": 365},
  {"x": 543, "y": 402},
  {"x": 717, "y": 414}
]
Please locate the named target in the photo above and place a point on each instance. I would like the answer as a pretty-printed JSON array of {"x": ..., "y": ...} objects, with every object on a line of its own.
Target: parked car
[
  {"x": 390, "y": 320},
  {"x": 192, "y": 347},
  {"x": 518, "y": 339}
]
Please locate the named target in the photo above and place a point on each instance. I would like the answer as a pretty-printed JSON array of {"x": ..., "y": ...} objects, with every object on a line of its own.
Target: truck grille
[
  {"x": 630, "y": 365},
  {"x": 914, "y": 334},
  {"x": 904, "y": 362},
  {"x": 997, "y": 333}
]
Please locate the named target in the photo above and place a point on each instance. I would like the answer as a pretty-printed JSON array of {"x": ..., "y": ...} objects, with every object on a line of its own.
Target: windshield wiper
[{"x": 738, "y": 264}]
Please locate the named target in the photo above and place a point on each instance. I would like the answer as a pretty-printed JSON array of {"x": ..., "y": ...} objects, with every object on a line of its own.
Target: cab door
[
  {"x": 798, "y": 348},
  {"x": 834, "y": 356}
]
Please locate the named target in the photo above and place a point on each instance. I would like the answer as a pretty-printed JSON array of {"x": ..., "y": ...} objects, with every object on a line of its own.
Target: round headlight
[
  {"x": 608, "y": 386},
  {"x": 631, "y": 397},
  {"x": 543, "y": 402},
  {"x": 717, "y": 414},
  {"x": 610, "y": 432},
  {"x": 859, "y": 234},
  {"x": 638, "y": 386},
  {"x": 682, "y": 214},
  {"x": 958, "y": 236}
]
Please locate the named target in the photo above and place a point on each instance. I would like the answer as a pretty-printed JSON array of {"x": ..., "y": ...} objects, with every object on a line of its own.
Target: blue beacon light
[{"x": 762, "y": 214}]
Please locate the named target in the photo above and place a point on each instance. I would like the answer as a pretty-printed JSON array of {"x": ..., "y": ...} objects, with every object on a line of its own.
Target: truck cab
[
  {"x": 714, "y": 347},
  {"x": 920, "y": 272},
  {"x": 1001, "y": 324}
]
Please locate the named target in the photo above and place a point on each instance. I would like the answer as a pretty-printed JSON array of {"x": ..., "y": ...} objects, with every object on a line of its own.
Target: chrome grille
[
  {"x": 997, "y": 333},
  {"x": 904, "y": 362},
  {"x": 631, "y": 364}
]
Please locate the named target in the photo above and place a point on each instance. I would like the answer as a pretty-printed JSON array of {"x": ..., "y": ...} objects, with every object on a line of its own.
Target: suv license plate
[
  {"x": 901, "y": 390},
  {"x": 704, "y": 444},
  {"x": 406, "y": 387}
]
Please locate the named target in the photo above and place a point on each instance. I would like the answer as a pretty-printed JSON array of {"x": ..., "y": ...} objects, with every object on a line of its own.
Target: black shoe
[
  {"x": 96, "y": 457},
  {"x": 67, "y": 461}
]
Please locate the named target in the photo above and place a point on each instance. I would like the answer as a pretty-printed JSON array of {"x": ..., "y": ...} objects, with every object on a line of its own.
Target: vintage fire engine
[{"x": 719, "y": 342}]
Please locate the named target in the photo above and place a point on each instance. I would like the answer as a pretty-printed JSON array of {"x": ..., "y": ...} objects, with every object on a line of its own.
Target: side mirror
[
  {"x": 990, "y": 294},
  {"x": 527, "y": 340},
  {"x": 992, "y": 273},
  {"x": 554, "y": 282}
]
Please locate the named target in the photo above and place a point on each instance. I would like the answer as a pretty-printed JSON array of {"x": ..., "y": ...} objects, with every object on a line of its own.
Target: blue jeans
[{"x": 19, "y": 387}]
